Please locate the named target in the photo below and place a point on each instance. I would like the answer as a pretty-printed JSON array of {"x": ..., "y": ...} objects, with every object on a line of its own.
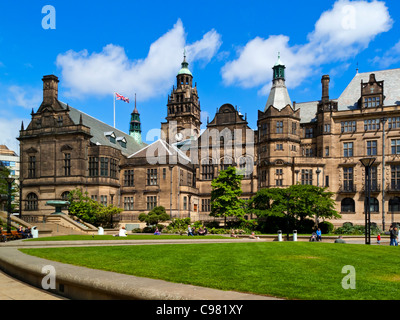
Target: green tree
[
  {"x": 297, "y": 201},
  {"x": 225, "y": 194},
  {"x": 4, "y": 173},
  {"x": 89, "y": 210},
  {"x": 155, "y": 216}
]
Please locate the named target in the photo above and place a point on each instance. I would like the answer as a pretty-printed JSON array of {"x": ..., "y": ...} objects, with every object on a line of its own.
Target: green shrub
[{"x": 326, "y": 227}]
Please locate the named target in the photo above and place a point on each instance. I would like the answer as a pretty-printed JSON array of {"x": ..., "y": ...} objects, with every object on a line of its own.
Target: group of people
[
  {"x": 394, "y": 234},
  {"x": 202, "y": 231},
  {"x": 316, "y": 236},
  {"x": 25, "y": 233}
]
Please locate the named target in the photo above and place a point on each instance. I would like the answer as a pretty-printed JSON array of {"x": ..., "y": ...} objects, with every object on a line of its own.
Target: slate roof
[
  {"x": 99, "y": 129},
  {"x": 391, "y": 87},
  {"x": 159, "y": 148},
  {"x": 349, "y": 98}
]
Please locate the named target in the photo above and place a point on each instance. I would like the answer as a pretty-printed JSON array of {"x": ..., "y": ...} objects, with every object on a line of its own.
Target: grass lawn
[
  {"x": 294, "y": 270},
  {"x": 129, "y": 237}
]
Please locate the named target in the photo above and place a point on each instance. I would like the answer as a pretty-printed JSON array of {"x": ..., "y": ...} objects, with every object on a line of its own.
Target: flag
[{"x": 121, "y": 97}]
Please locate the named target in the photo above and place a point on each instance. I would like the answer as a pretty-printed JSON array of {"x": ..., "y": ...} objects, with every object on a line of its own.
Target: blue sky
[{"x": 133, "y": 47}]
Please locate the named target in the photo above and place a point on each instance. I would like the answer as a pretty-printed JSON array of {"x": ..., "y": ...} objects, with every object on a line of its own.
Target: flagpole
[{"x": 114, "y": 107}]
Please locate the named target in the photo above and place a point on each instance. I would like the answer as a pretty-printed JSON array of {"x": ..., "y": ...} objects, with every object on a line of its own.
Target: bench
[{"x": 13, "y": 235}]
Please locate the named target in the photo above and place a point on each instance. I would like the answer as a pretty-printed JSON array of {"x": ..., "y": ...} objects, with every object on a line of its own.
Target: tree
[
  {"x": 297, "y": 201},
  {"x": 155, "y": 216},
  {"x": 225, "y": 195},
  {"x": 89, "y": 210},
  {"x": 4, "y": 173}
]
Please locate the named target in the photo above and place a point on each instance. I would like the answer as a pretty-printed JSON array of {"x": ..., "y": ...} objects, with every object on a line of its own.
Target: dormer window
[
  {"x": 111, "y": 136},
  {"x": 372, "y": 102},
  {"x": 122, "y": 141}
]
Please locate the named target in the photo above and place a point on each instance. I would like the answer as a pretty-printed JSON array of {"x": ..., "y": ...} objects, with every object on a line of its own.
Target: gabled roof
[
  {"x": 159, "y": 148},
  {"x": 99, "y": 131}
]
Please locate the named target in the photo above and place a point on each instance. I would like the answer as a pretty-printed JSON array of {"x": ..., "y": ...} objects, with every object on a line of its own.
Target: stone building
[{"x": 318, "y": 142}]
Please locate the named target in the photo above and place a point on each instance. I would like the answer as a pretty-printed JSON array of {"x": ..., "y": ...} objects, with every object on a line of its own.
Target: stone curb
[{"x": 80, "y": 283}]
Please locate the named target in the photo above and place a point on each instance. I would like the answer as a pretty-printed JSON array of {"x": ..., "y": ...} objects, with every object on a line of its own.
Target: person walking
[
  {"x": 378, "y": 238},
  {"x": 393, "y": 236},
  {"x": 190, "y": 232},
  {"x": 319, "y": 235}
]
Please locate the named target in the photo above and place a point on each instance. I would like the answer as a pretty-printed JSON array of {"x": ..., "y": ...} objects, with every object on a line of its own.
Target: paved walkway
[{"x": 13, "y": 289}]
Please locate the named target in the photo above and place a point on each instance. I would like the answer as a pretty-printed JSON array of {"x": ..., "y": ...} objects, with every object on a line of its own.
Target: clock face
[{"x": 179, "y": 136}]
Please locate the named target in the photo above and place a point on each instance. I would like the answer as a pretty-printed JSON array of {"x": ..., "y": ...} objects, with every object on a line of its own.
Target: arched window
[
  {"x": 374, "y": 205},
  {"x": 348, "y": 205},
  {"x": 31, "y": 202},
  {"x": 394, "y": 204},
  {"x": 207, "y": 169}
]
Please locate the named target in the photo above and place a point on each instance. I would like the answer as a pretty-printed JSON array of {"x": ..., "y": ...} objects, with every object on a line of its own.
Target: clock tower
[{"x": 183, "y": 109}]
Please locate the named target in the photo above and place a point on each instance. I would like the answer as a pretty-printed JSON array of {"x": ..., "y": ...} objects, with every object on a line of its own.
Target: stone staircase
[{"x": 53, "y": 225}]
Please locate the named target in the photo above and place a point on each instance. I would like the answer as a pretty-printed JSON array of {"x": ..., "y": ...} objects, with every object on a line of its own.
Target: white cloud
[
  {"x": 340, "y": 33},
  {"x": 9, "y": 131},
  {"x": 389, "y": 58},
  {"x": 112, "y": 70},
  {"x": 24, "y": 97}
]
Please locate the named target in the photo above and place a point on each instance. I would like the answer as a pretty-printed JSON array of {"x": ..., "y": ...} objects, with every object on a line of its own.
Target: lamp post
[
  {"x": 367, "y": 163},
  {"x": 10, "y": 181}
]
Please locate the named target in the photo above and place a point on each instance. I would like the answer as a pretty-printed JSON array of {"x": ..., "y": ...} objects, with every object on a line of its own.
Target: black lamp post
[
  {"x": 367, "y": 163},
  {"x": 10, "y": 181}
]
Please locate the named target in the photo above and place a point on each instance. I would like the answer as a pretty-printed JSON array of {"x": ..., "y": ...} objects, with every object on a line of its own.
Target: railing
[
  {"x": 347, "y": 189},
  {"x": 33, "y": 218}
]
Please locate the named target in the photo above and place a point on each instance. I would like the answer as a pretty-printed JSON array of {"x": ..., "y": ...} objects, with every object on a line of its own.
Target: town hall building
[{"x": 317, "y": 142}]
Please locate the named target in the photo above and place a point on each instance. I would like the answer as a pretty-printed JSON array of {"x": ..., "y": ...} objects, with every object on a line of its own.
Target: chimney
[
  {"x": 325, "y": 88},
  {"x": 50, "y": 89}
]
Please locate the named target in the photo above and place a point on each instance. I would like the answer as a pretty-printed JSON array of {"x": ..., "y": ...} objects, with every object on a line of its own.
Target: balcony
[
  {"x": 393, "y": 188},
  {"x": 375, "y": 187},
  {"x": 350, "y": 188}
]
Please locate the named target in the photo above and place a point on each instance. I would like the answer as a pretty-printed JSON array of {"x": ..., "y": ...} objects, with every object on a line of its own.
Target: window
[
  {"x": 103, "y": 200},
  {"x": 129, "y": 178},
  {"x": 67, "y": 164},
  {"x": 128, "y": 203},
  {"x": 326, "y": 151},
  {"x": 394, "y": 204},
  {"x": 184, "y": 203},
  {"x": 31, "y": 202},
  {"x": 94, "y": 197},
  {"x": 189, "y": 179},
  {"x": 372, "y": 124},
  {"x": 372, "y": 102},
  {"x": 395, "y": 177},
  {"x": 32, "y": 167},
  {"x": 113, "y": 168},
  {"x": 374, "y": 205},
  {"x": 348, "y": 149},
  {"x": 294, "y": 128},
  {"x": 279, "y": 146},
  {"x": 151, "y": 202},
  {"x": 206, "y": 205},
  {"x": 394, "y": 123},
  {"x": 264, "y": 129},
  {"x": 225, "y": 163},
  {"x": 279, "y": 127},
  {"x": 306, "y": 177},
  {"x": 93, "y": 166},
  {"x": 327, "y": 128},
  {"x": 348, "y": 126},
  {"x": 263, "y": 178},
  {"x": 207, "y": 169},
  {"x": 396, "y": 146},
  {"x": 326, "y": 181},
  {"x": 279, "y": 177},
  {"x": 374, "y": 179},
  {"x": 308, "y": 152},
  {"x": 104, "y": 167},
  {"x": 309, "y": 133},
  {"x": 348, "y": 205},
  {"x": 164, "y": 173},
  {"x": 151, "y": 177},
  {"x": 372, "y": 148},
  {"x": 348, "y": 179},
  {"x": 246, "y": 166}
]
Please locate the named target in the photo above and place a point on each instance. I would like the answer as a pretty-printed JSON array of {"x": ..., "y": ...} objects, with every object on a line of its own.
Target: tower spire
[{"x": 135, "y": 129}]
